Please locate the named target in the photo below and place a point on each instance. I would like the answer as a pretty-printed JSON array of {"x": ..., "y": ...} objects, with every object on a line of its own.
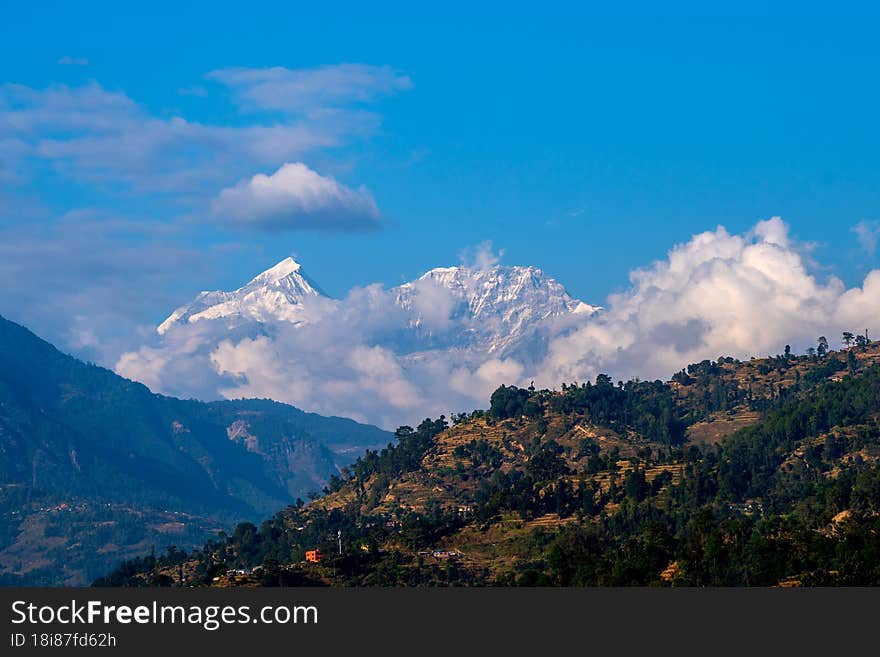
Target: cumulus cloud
[
  {"x": 716, "y": 294},
  {"x": 296, "y": 198},
  {"x": 479, "y": 383},
  {"x": 433, "y": 304}
]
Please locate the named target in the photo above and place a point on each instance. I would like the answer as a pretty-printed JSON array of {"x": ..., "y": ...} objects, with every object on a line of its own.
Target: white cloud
[
  {"x": 482, "y": 256},
  {"x": 479, "y": 383},
  {"x": 254, "y": 364},
  {"x": 296, "y": 198},
  {"x": 316, "y": 371},
  {"x": 718, "y": 294},
  {"x": 433, "y": 304}
]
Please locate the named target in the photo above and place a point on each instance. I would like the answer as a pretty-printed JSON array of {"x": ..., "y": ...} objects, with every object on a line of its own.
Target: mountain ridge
[
  {"x": 515, "y": 295},
  {"x": 78, "y": 435},
  {"x": 278, "y": 292},
  {"x": 504, "y": 301},
  {"x": 448, "y": 337}
]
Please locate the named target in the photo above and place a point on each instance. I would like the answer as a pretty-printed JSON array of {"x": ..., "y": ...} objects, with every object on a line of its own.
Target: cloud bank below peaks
[{"x": 377, "y": 357}]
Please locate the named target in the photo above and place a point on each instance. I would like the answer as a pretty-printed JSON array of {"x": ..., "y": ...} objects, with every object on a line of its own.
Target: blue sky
[{"x": 585, "y": 140}]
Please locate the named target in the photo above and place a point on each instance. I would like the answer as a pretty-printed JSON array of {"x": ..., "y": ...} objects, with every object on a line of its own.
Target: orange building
[{"x": 313, "y": 556}]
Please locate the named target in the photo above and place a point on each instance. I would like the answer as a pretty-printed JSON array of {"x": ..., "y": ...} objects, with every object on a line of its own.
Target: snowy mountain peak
[
  {"x": 499, "y": 310},
  {"x": 282, "y": 292},
  {"x": 443, "y": 340},
  {"x": 282, "y": 269},
  {"x": 492, "y": 308},
  {"x": 499, "y": 290}
]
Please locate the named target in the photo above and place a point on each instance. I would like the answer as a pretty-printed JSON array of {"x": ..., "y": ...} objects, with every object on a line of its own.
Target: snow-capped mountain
[
  {"x": 282, "y": 293},
  {"x": 491, "y": 308},
  {"x": 437, "y": 344}
]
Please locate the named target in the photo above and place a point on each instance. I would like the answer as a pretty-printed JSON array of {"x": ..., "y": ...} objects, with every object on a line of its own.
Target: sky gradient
[{"x": 141, "y": 149}]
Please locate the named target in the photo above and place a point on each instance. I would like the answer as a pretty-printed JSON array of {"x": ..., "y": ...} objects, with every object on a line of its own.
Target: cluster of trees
[
  {"x": 393, "y": 460},
  {"x": 512, "y": 402},
  {"x": 710, "y": 550},
  {"x": 647, "y": 407},
  {"x": 858, "y": 340},
  {"x": 848, "y": 339},
  {"x": 711, "y": 388},
  {"x": 481, "y": 453}
]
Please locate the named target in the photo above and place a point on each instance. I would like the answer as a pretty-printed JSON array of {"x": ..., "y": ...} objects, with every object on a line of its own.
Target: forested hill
[
  {"x": 763, "y": 472},
  {"x": 95, "y": 468}
]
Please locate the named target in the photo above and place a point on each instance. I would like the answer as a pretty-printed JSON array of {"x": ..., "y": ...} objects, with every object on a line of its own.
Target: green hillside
[{"x": 763, "y": 472}]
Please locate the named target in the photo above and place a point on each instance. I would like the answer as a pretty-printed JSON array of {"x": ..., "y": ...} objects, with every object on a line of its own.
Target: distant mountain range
[
  {"x": 443, "y": 341},
  {"x": 94, "y": 467},
  {"x": 496, "y": 310}
]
